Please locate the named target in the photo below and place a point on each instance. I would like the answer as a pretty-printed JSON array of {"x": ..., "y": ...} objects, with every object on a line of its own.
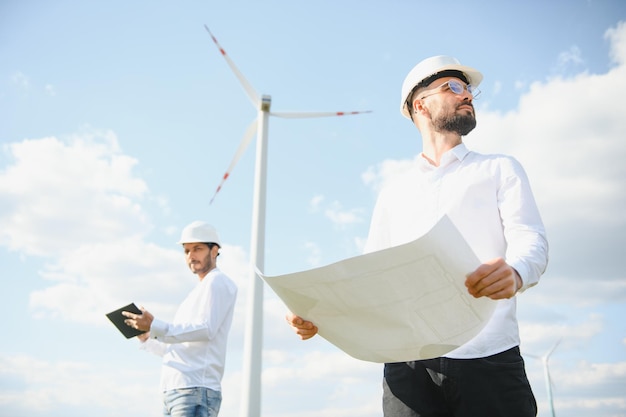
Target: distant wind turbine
[
  {"x": 253, "y": 344},
  {"x": 546, "y": 373}
]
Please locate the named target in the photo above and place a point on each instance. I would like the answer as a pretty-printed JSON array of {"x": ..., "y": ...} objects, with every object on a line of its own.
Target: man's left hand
[{"x": 494, "y": 279}]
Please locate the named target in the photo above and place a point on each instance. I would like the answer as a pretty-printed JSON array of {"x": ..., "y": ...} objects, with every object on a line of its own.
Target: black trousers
[{"x": 493, "y": 386}]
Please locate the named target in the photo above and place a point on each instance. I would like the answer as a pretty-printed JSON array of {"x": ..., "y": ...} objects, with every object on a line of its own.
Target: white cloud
[
  {"x": 588, "y": 289},
  {"x": 496, "y": 88},
  {"x": 78, "y": 190},
  {"x": 567, "y": 133},
  {"x": 590, "y": 388},
  {"x": 315, "y": 202},
  {"x": 540, "y": 336},
  {"x": 50, "y": 90},
  {"x": 354, "y": 382},
  {"x": 315, "y": 253},
  {"x": 234, "y": 261},
  {"x": 570, "y": 58},
  {"x": 359, "y": 243},
  {"x": 617, "y": 38},
  {"x": 20, "y": 80},
  {"x": 377, "y": 176},
  {"x": 580, "y": 388},
  {"x": 335, "y": 212},
  {"x": 97, "y": 278},
  {"x": 591, "y": 374},
  {"x": 341, "y": 217},
  {"x": 77, "y": 203},
  {"x": 35, "y": 385},
  {"x": 520, "y": 85}
]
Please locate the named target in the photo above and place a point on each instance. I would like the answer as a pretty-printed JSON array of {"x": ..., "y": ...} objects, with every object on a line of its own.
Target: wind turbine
[
  {"x": 546, "y": 373},
  {"x": 253, "y": 343}
]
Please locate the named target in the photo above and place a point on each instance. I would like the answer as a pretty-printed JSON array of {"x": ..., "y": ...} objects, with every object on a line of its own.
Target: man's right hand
[{"x": 303, "y": 328}]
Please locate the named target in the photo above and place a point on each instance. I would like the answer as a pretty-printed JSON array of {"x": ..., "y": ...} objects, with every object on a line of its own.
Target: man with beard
[
  {"x": 193, "y": 345},
  {"x": 488, "y": 198}
]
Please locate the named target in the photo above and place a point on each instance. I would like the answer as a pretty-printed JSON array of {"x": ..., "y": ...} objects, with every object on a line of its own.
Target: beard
[
  {"x": 203, "y": 266},
  {"x": 458, "y": 123}
]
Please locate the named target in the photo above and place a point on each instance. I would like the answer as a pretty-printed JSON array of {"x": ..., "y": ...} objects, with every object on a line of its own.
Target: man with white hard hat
[
  {"x": 193, "y": 345},
  {"x": 489, "y": 200}
]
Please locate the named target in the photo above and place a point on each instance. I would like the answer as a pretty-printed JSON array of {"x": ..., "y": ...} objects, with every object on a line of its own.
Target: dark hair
[
  {"x": 426, "y": 81},
  {"x": 445, "y": 73},
  {"x": 211, "y": 244}
]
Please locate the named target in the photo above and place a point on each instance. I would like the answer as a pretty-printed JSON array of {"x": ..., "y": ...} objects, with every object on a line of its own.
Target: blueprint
[{"x": 404, "y": 303}]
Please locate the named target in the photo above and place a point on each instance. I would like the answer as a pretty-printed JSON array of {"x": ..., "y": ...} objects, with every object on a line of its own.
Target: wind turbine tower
[
  {"x": 546, "y": 374},
  {"x": 253, "y": 343}
]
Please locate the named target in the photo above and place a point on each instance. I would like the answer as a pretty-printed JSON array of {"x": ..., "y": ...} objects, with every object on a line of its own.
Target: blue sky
[{"x": 120, "y": 118}]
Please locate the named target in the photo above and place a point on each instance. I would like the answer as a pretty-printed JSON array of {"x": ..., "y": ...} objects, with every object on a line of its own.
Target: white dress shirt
[
  {"x": 193, "y": 346},
  {"x": 489, "y": 200}
]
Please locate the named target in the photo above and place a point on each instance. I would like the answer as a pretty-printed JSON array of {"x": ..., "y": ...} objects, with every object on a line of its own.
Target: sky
[{"x": 118, "y": 120}]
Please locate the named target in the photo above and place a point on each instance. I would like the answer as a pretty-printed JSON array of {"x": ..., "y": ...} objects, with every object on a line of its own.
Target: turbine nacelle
[{"x": 266, "y": 103}]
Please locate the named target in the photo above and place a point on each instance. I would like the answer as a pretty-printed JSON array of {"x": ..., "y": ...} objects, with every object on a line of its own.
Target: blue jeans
[{"x": 191, "y": 402}]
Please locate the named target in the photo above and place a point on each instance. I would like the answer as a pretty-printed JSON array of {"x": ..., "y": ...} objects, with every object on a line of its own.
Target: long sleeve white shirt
[
  {"x": 489, "y": 200},
  {"x": 193, "y": 345}
]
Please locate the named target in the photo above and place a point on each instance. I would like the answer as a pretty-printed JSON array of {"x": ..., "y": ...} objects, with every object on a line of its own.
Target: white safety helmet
[
  {"x": 200, "y": 232},
  {"x": 432, "y": 66}
]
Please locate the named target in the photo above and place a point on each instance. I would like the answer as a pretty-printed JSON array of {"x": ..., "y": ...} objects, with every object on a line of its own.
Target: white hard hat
[
  {"x": 429, "y": 67},
  {"x": 201, "y": 232}
]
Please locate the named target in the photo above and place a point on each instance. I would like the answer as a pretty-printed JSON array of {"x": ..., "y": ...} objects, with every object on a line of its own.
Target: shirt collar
[{"x": 457, "y": 153}]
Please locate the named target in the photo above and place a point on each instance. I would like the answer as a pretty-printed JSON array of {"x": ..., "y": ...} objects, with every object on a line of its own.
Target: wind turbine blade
[
  {"x": 553, "y": 347},
  {"x": 304, "y": 115},
  {"x": 247, "y": 138},
  {"x": 250, "y": 91}
]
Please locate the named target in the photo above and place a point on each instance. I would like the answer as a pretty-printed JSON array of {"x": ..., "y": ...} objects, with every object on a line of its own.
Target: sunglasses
[{"x": 456, "y": 87}]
